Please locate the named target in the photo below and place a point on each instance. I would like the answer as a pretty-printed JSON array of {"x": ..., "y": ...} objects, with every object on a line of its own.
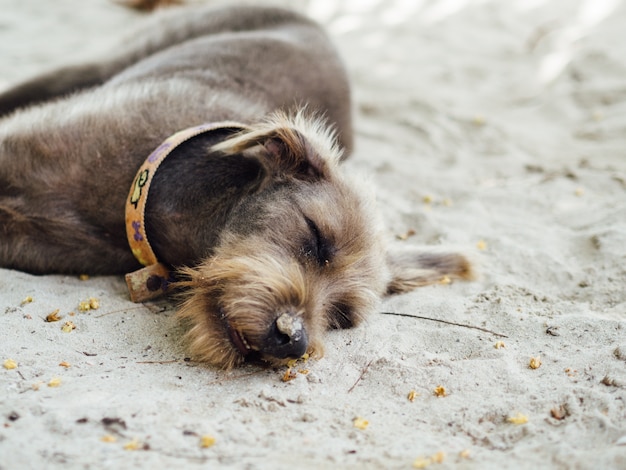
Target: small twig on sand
[
  {"x": 361, "y": 376},
  {"x": 228, "y": 378},
  {"x": 500, "y": 335},
  {"x": 121, "y": 310},
  {"x": 162, "y": 362}
]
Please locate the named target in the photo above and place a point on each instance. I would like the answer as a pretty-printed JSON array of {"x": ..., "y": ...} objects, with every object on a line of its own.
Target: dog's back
[{"x": 266, "y": 56}]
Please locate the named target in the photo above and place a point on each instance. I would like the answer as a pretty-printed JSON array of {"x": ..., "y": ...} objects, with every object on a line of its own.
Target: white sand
[{"x": 511, "y": 117}]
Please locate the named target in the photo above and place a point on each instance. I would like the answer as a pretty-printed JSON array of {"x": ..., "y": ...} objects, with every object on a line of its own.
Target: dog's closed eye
[
  {"x": 341, "y": 316},
  {"x": 317, "y": 247}
]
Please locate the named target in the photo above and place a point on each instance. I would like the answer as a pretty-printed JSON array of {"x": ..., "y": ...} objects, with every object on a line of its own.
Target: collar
[{"x": 153, "y": 280}]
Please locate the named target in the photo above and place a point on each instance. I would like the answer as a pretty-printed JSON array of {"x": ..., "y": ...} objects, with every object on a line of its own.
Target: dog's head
[{"x": 303, "y": 254}]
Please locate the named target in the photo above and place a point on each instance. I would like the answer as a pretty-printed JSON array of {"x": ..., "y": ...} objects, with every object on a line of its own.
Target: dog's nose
[{"x": 287, "y": 337}]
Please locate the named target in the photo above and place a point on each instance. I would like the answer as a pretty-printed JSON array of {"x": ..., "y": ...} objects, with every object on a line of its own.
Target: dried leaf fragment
[
  {"x": 289, "y": 374},
  {"x": 535, "y": 362},
  {"x": 439, "y": 457},
  {"x": 132, "y": 445},
  {"x": 65, "y": 364},
  {"x": 90, "y": 304},
  {"x": 207, "y": 441},
  {"x": 53, "y": 316},
  {"x": 440, "y": 391},
  {"x": 518, "y": 419},
  {"x": 9, "y": 364},
  {"x": 68, "y": 326},
  {"x": 54, "y": 382},
  {"x": 421, "y": 462},
  {"x": 360, "y": 423}
]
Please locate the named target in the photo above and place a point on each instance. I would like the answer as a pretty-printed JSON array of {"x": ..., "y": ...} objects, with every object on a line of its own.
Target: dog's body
[
  {"x": 64, "y": 158},
  {"x": 278, "y": 244}
]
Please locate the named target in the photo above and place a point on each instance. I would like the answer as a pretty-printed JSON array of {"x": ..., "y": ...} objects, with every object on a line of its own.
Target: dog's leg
[
  {"x": 50, "y": 85},
  {"x": 412, "y": 268},
  {"x": 161, "y": 31}
]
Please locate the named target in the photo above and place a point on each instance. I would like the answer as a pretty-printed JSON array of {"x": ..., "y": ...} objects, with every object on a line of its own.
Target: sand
[{"x": 495, "y": 127}]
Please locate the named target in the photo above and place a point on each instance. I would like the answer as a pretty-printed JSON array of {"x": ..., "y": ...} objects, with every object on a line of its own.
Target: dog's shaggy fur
[{"x": 273, "y": 243}]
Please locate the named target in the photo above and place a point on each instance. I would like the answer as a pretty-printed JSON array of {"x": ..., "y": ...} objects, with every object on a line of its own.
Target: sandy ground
[{"x": 497, "y": 127}]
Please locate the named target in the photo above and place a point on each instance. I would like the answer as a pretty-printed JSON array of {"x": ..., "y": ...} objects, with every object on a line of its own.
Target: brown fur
[{"x": 273, "y": 242}]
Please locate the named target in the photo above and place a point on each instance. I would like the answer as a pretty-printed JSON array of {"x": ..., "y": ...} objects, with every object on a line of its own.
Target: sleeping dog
[{"x": 206, "y": 153}]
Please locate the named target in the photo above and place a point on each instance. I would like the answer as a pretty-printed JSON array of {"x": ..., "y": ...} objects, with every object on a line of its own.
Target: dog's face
[
  {"x": 300, "y": 256},
  {"x": 311, "y": 262}
]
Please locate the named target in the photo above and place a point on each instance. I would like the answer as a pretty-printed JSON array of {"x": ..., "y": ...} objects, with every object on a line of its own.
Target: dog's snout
[
  {"x": 290, "y": 325},
  {"x": 287, "y": 337}
]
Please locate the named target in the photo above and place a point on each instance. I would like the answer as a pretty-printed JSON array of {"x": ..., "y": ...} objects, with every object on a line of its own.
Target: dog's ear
[
  {"x": 286, "y": 152},
  {"x": 300, "y": 148},
  {"x": 282, "y": 152},
  {"x": 410, "y": 269}
]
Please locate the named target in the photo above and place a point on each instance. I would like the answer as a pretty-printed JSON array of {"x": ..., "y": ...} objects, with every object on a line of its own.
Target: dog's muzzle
[{"x": 286, "y": 337}]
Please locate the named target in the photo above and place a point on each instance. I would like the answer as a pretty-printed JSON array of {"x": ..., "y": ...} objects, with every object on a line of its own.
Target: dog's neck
[{"x": 152, "y": 280}]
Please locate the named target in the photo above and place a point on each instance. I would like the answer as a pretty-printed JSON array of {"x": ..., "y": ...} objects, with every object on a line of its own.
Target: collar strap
[{"x": 152, "y": 280}]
